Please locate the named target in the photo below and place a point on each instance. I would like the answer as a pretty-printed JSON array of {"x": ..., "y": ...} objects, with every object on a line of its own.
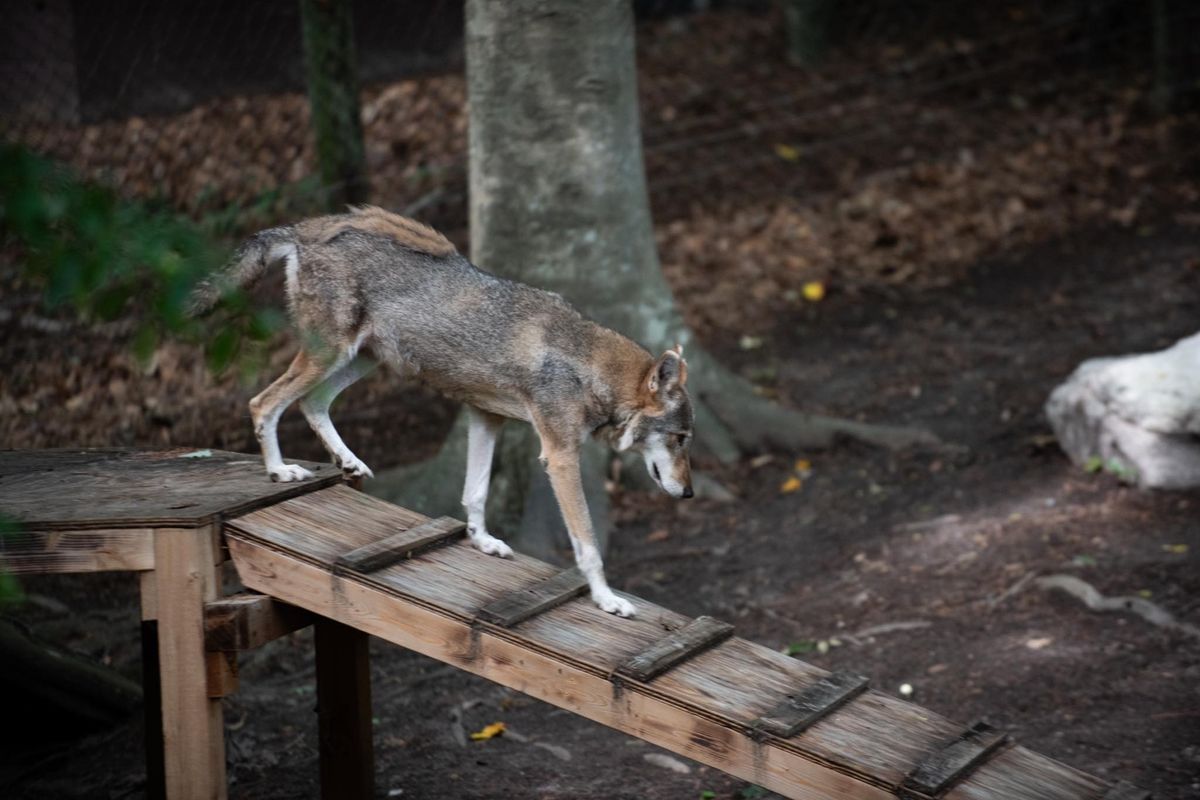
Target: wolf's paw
[
  {"x": 353, "y": 467},
  {"x": 614, "y": 605},
  {"x": 285, "y": 473},
  {"x": 491, "y": 545}
]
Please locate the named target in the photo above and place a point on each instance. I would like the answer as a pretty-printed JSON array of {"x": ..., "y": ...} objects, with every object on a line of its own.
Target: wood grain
[
  {"x": 523, "y": 604},
  {"x": 99, "y": 550},
  {"x": 675, "y": 648},
  {"x": 193, "y": 736},
  {"x": 401, "y": 545},
  {"x": 123, "y": 488},
  {"x": 248, "y": 621},
  {"x": 947, "y": 765},
  {"x": 799, "y": 711}
]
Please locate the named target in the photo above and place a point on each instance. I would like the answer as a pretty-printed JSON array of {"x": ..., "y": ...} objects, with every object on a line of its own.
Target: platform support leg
[
  {"x": 185, "y": 577},
  {"x": 344, "y": 712}
]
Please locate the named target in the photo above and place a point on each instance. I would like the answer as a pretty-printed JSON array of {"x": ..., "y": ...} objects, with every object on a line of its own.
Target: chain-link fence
[{"x": 255, "y": 109}]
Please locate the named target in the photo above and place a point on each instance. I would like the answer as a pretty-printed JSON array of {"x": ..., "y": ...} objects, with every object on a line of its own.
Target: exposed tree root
[{"x": 1094, "y": 600}]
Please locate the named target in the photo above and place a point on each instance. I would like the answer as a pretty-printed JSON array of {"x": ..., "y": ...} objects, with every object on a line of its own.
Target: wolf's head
[{"x": 661, "y": 427}]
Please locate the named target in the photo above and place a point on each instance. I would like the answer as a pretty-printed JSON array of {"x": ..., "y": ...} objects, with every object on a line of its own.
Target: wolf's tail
[{"x": 245, "y": 268}]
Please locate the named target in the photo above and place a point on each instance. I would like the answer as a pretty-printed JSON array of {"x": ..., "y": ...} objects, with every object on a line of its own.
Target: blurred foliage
[{"x": 107, "y": 258}]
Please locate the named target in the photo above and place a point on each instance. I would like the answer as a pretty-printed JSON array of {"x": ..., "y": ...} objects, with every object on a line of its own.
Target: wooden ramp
[{"x": 685, "y": 685}]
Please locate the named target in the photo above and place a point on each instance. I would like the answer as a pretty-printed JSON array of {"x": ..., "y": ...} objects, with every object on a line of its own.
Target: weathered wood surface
[
  {"x": 192, "y": 730},
  {"x": 703, "y": 708},
  {"x": 124, "y": 488},
  {"x": 947, "y": 766},
  {"x": 528, "y": 602},
  {"x": 247, "y": 621},
  {"x": 799, "y": 711},
  {"x": 401, "y": 545},
  {"x": 676, "y": 647},
  {"x": 98, "y": 550}
]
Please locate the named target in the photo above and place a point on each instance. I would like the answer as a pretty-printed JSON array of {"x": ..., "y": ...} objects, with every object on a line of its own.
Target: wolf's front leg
[
  {"x": 482, "y": 430},
  {"x": 567, "y": 482}
]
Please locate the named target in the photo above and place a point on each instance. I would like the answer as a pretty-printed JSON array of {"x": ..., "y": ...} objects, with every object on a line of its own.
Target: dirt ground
[
  {"x": 971, "y": 262},
  {"x": 920, "y": 548}
]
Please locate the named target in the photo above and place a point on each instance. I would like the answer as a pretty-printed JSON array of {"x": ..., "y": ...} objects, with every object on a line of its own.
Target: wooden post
[
  {"x": 344, "y": 712},
  {"x": 193, "y": 738}
]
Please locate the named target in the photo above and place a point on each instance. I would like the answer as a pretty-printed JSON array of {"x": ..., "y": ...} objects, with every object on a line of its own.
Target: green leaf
[
  {"x": 222, "y": 349},
  {"x": 1093, "y": 464},
  {"x": 801, "y": 647}
]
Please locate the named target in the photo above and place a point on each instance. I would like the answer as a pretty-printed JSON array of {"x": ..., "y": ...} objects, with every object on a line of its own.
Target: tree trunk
[
  {"x": 329, "y": 65},
  {"x": 1162, "y": 97},
  {"x": 558, "y": 200}
]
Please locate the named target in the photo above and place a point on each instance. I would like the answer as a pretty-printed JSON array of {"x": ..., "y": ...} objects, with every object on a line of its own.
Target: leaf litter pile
[{"x": 785, "y": 200}]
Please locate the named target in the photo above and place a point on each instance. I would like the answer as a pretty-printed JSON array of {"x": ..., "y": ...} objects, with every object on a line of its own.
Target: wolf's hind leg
[
  {"x": 482, "y": 430},
  {"x": 315, "y": 406},
  {"x": 305, "y": 372}
]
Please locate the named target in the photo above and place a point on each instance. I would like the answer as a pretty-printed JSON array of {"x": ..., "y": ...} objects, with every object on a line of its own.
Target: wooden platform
[
  {"x": 704, "y": 708},
  {"x": 314, "y": 551}
]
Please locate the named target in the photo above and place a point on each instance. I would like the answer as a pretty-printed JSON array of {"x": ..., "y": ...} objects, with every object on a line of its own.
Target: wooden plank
[
  {"x": 193, "y": 737},
  {"x": 799, "y": 711},
  {"x": 344, "y": 712},
  {"x": 46, "y": 552},
  {"x": 676, "y": 647},
  {"x": 948, "y": 765},
  {"x": 1020, "y": 773},
  {"x": 247, "y": 621},
  {"x": 323, "y": 525},
  {"x": 399, "y": 546},
  {"x": 123, "y": 487},
  {"x": 523, "y": 604},
  {"x": 500, "y": 655},
  {"x": 1123, "y": 790},
  {"x": 715, "y": 695}
]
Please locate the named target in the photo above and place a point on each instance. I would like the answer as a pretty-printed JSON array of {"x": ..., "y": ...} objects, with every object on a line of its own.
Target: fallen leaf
[
  {"x": 488, "y": 732},
  {"x": 934, "y": 669},
  {"x": 787, "y": 152},
  {"x": 814, "y": 291},
  {"x": 1038, "y": 643},
  {"x": 658, "y": 535},
  {"x": 1177, "y": 549},
  {"x": 792, "y": 484},
  {"x": 802, "y": 465}
]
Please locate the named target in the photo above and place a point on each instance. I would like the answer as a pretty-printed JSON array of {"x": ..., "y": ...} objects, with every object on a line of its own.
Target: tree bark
[
  {"x": 559, "y": 200},
  {"x": 329, "y": 65},
  {"x": 806, "y": 24}
]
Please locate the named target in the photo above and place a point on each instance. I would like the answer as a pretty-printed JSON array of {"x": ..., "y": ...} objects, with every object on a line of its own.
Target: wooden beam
[
  {"x": 947, "y": 766},
  {"x": 542, "y": 596},
  {"x": 221, "y": 673},
  {"x": 193, "y": 736},
  {"x": 344, "y": 712},
  {"x": 798, "y": 712},
  {"x": 377, "y": 555},
  {"x": 248, "y": 621},
  {"x": 47, "y": 552},
  {"x": 675, "y": 648}
]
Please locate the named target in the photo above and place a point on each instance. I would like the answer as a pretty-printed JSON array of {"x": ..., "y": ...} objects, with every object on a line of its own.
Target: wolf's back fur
[{"x": 258, "y": 252}]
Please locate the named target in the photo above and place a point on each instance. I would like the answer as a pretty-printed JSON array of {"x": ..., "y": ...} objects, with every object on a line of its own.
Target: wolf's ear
[{"x": 668, "y": 372}]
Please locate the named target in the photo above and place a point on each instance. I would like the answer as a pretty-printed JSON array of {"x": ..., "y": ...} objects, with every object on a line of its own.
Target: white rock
[{"x": 1139, "y": 415}]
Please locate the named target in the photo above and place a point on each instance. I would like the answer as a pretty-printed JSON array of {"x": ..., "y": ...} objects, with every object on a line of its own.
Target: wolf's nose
[{"x": 687, "y": 491}]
